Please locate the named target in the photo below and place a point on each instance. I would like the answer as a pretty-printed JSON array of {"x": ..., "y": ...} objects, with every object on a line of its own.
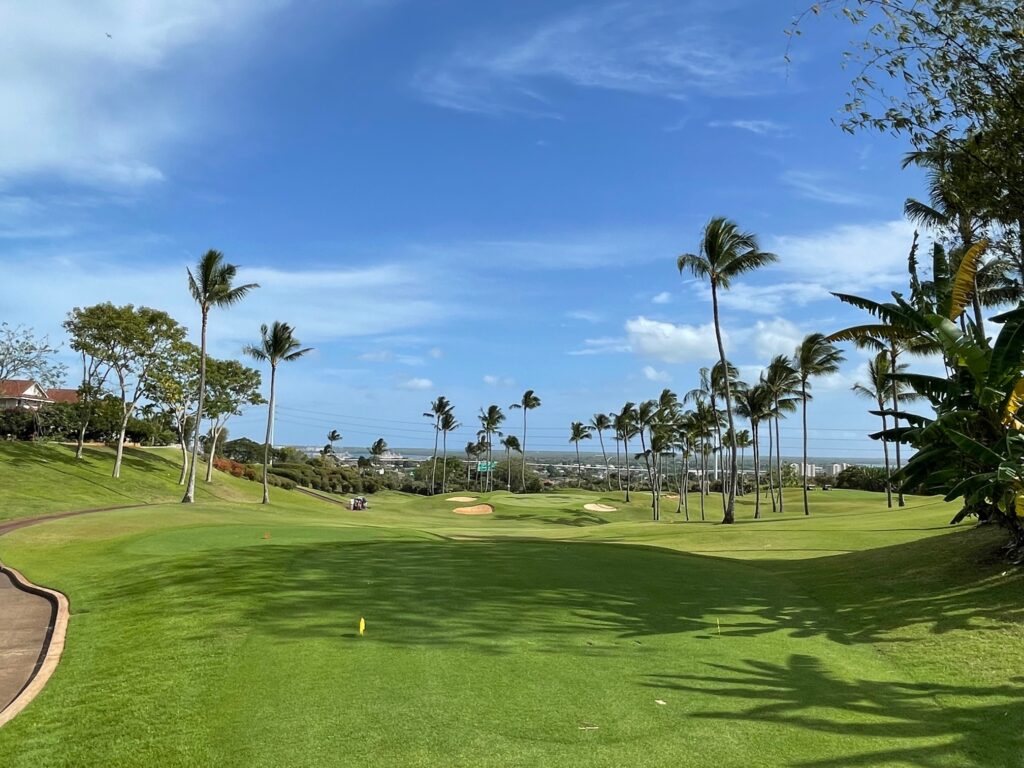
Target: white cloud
[
  {"x": 666, "y": 51},
  {"x": 771, "y": 298},
  {"x": 92, "y": 92},
  {"x": 498, "y": 381},
  {"x": 377, "y": 356},
  {"x": 662, "y": 298},
  {"x": 416, "y": 384},
  {"x": 653, "y": 374},
  {"x": 671, "y": 343},
  {"x": 584, "y": 315},
  {"x": 602, "y": 346},
  {"x": 436, "y": 353},
  {"x": 823, "y": 188},
  {"x": 774, "y": 337},
  {"x": 760, "y": 127}
]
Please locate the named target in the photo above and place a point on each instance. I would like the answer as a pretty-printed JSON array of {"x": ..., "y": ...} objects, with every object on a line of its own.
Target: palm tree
[
  {"x": 210, "y": 286},
  {"x": 333, "y": 437},
  {"x": 743, "y": 442},
  {"x": 754, "y": 405},
  {"x": 599, "y": 422},
  {"x": 490, "y": 420},
  {"x": 625, "y": 428},
  {"x": 510, "y": 443},
  {"x": 527, "y": 402},
  {"x": 814, "y": 357},
  {"x": 438, "y": 408},
  {"x": 725, "y": 253},
  {"x": 277, "y": 345},
  {"x": 579, "y": 431},
  {"x": 784, "y": 385},
  {"x": 448, "y": 424},
  {"x": 378, "y": 449}
]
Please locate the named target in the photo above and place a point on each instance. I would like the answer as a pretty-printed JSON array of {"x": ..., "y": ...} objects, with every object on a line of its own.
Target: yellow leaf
[
  {"x": 1013, "y": 404},
  {"x": 1018, "y": 504},
  {"x": 963, "y": 283}
]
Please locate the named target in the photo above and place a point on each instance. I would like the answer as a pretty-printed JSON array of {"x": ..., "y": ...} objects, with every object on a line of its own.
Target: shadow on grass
[{"x": 981, "y": 725}]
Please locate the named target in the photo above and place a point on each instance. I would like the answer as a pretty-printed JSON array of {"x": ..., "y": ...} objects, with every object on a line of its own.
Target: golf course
[{"x": 227, "y": 632}]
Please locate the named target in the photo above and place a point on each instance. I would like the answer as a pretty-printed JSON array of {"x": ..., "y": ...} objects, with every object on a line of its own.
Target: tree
[
  {"x": 378, "y": 449},
  {"x": 448, "y": 424},
  {"x": 622, "y": 423},
  {"x": 876, "y": 389},
  {"x": 490, "y": 420},
  {"x": 755, "y": 404},
  {"x": 599, "y": 422},
  {"x": 579, "y": 431},
  {"x": 438, "y": 408},
  {"x": 527, "y": 402},
  {"x": 814, "y": 357},
  {"x": 334, "y": 436},
  {"x": 173, "y": 387},
  {"x": 211, "y": 286},
  {"x": 24, "y": 355},
  {"x": 130, "y": 342},
  {"x": 510, "y": 443},
  {"x": 784, "y": 385},
  {"x": 725, "y": 253},
  {"x": 94, "y": 377},
  {"x": 277, "y": 345},
  {"x": 231, "y": 387}
]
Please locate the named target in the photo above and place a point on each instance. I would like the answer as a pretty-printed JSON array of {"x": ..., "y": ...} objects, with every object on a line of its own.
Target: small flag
[{"x": 362, "y": 625}]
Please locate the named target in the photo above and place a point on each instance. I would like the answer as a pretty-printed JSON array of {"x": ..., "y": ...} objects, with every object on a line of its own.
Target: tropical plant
[
  {"x": 448, "y": 424},
  {"x": 231, "y": 387},
  {"x": 625, "y": 428},
  {"x": 526, "y": 403},
  {"x": 725, "y": 253},
  {"x": 334, "y": 436},
  {"x": 211, "y": 285},
  {"x": 579, "y": 431},
  {"x": 815, "y": 357},
  {"x": 510, "y": 443},
  {"x": 490, "y": 421},
  {"x": 755, "y": 405},
  {"x": 277, "y": 345},
  {"x": 600, "y": 422},
  {"x": 438, "y": 408},
  {"x": 784, "y": 386}
]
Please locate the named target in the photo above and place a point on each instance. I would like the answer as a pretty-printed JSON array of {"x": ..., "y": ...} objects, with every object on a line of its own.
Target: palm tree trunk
[
  {"x": 525, "y": 409},
  {"x": 444, "y": 461},
  {"x": 684, "y": 493},
  {"x": 433, "y": 469},
  {"x": 803, "y": 397},
  {"x": 896, "y": 421},
  {"x": 618, "y": 463},
  {"x": 212, "y": 453},
  {"x": 625, "y": 450},
  {"x": 778, "y": 457},
  {"x": 607, "y": 469},
  {"x": 579, "y": 467},
  {"x": 885, "y": 452},
  {"x": 270, "y": 435},
  {"x": 729, "y": 514},
  {"x": 190, "y": 490},
  {"x": 183, "y": 444},
  {"x": 703, "y": 481},
  {"x": 771, "y": 467},
  {"x": 757, "y": 475}
]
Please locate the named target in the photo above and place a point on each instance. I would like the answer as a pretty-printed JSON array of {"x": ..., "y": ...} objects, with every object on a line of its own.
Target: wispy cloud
[
  {"x": 584, "y": 315},
  {"x": 641, "y": 48},
  {"x": 602, "y": 346},
  {"x": 492, "y": 380},
  {"x": 653, "y": 374},
  {"x": 669, "y": 342},
  {"x": 662, "y": 298},
  {"x": 760, "y": 127},
  {"x": 823, "y": 188},
  {"x": 416, "y": 384}
]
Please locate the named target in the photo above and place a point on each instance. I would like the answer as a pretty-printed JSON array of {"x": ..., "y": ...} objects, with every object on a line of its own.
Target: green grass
[{"x": 225, "y": 634}]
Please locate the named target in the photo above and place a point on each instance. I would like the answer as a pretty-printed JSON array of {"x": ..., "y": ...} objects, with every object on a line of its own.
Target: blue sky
[{"x": 449, "y": 197}]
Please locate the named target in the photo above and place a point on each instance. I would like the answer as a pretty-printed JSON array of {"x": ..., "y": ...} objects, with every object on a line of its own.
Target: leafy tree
[
  {"x": 23, "y": 355},
  {"x": 814, "y": 357},
  {"x": 277, "y": 345},
  {"x": 231, "y": 387},
  {"x": 579, "y": 431},
  {"x": 212, "y": 285},
  {"x": 725, "y": 253},
  {"x": 173, "y": 387},
  {"x": 131, "y": 342},
  {"x": 527, "y": 402}
]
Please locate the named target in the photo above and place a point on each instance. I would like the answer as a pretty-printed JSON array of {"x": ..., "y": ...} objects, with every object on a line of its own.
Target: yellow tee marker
[{"x": 362, "y": 625}]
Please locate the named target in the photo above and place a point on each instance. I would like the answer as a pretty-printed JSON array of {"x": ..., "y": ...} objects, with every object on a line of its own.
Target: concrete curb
[{"x": 53, "y": 647}]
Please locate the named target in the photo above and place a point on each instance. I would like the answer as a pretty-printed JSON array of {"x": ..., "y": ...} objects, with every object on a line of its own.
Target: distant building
[
  {"x": 27, "y": 395},
  {"x": 837, "y": 468}
]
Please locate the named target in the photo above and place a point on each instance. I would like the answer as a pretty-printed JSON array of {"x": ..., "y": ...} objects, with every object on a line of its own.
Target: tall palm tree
[
  {"x": 725, "y": 253},
  {"x": 526, "y": 403},
  {"x": 599, "y": 422},
  {"x": 333, "y": 437},
  {"x": 754, "y": 405},
  {"x": 624, "y": 427},
  {"x": 784, "y": 385},
  {"x": 579, "y": 431},
  {"x": 815, "y": 356},
  {"x": 378, "y": 449},
  {"x": 448, "y": 424},
  {"x": 438, "y": 408},
  {"x": 510, "y": 443},
  {"x": 211, "y": 285},
  {"x": 277, "y": 345},
  {"x": 490, "y": 420}
]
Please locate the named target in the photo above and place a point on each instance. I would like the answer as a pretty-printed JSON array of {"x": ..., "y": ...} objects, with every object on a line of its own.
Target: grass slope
[{"x": 225, "y": 634}]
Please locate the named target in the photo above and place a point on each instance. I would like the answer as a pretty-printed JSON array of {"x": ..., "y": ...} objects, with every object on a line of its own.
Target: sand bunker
[
  {"x": 598, "y": 508},
  {"x": 462, "y": 498},
  {"x": 670, "y": 496},
  {"x": 479, "y": 509}
]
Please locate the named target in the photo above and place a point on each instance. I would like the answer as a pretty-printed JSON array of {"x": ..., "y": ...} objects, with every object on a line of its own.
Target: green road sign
[{"x": 486, "y": 466}]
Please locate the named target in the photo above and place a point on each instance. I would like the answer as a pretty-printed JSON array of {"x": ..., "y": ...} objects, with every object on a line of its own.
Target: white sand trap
[
  {"x": 671, "y": 496},
  {"x": 462, "y": 498},
  {"x": 479, "y": 509},
  {"x": 598, "y": 508}
]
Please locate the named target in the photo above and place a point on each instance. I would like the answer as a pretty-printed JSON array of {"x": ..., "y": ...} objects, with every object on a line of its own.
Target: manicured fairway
[{"x": 226, "y": 634}]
